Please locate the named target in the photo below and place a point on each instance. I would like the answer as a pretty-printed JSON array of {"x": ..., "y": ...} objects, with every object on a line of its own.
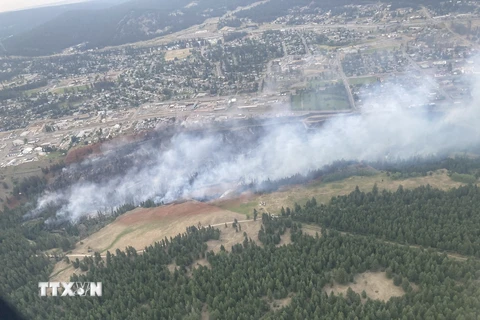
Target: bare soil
[{"x": 286, "y": 238}]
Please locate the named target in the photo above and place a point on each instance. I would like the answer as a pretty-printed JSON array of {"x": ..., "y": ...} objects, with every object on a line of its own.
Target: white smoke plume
[{"x": 385, "y": 129}]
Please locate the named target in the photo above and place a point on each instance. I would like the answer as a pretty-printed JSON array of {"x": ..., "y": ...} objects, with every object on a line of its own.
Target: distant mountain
[
  {"x": 16, "y": 22},
  {"x": 131, "y": 21}
]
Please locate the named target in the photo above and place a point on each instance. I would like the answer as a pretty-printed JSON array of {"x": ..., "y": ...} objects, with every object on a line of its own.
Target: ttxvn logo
[{"x": 70, "y": 289}]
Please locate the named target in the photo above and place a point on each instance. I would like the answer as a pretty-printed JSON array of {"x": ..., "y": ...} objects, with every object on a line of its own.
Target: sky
[{"x": 12, "y": 5}]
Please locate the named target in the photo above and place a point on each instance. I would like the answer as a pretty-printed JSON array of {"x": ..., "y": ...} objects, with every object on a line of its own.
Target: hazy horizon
[{"x": 17, "y": 5}]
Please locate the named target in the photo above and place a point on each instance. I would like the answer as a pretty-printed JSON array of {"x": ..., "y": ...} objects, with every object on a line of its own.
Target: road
[
  {"x": 218, "y": 65},
  {"x": 345, "y": 82},
  {"x": 307, "y": 49}
]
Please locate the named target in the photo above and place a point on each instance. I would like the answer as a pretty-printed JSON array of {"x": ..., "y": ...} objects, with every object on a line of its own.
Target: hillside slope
[{"x": 132, "y": 21}]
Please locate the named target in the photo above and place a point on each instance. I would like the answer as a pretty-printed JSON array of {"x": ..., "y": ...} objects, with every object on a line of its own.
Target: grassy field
[
  {"x": 377, "y": 47},
  {"x": 331, "y": 98},
  {"x": 315, "y": 83},
  {"x": 76, "y": 88},
  {"x": 179, "y": 54},
  {"x": 323, "y": 192},
  {"x": 362, "y": 80},
  {"x": 14, "y": 174},
  {"x": 34, "y": 91},
  {"x": 141, "y": 227}
]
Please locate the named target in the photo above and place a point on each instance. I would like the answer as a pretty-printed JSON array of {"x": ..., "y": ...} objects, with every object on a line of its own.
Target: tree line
[{"x": 446, "y": 220}]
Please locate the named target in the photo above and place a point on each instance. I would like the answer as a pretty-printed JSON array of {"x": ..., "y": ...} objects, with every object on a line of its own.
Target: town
[{"x": 305, "y": 64}]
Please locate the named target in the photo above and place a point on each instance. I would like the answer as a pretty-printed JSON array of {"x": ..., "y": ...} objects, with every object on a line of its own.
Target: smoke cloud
[{"x": 189, "y": 164}]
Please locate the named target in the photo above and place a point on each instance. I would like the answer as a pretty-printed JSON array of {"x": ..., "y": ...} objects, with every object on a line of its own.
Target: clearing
[
  {"x": 142, "y": 227},
  {"x": 179, "y": 54},
  {"x": 276, "y": 304},
  {"x": 376, "y": 285},
  {"x": 229, "y": 237}
]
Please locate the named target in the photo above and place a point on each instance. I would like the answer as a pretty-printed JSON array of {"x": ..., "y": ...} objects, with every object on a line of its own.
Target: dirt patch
[
  {"x": 286, "y": 238},
  {"x": 202, "y": 262},
  {"x": 229, "y": 237},
  {"x": 205, "y": 313},
  {"x": 171, "y": 267},
  {"x": 312, "y": 230},
  {"x": 276, "y": 304},
  {"x": 376, "y": 285}
]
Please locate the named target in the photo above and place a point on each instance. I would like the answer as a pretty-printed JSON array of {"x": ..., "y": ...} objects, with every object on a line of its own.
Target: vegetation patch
[
  {"x": 333, "y": 97},
  {"x": 362, "y": 80},
  {"x": 463, "y": 178}
]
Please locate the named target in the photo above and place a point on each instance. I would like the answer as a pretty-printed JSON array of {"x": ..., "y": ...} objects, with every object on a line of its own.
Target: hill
[
  {"x": 17, "y": 22},
  {"x": 127, "y": 22}
]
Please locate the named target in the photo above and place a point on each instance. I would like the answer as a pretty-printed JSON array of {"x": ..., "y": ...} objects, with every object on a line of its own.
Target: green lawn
[
  {"x": 76, "y": 88},
  {"x": 34, "y": 91},
  {"x": 331, "y": 98},
  {"x": 321, "y": 83},
  {"x": 362, "y": 80}
]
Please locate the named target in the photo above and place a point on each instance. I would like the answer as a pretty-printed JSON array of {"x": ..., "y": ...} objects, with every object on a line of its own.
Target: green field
[
  {"x": 330, "y": 98},
  {"x": 34, "y": 91},
  {"x": 71, "y": 89},
  {"x": 362, "y": 80},
  {"x": 321, "y": 83}
]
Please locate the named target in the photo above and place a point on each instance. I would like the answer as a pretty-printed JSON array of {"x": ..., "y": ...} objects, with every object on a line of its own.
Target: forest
[
  {"x": 240, "y": 283},
  {"x": 446, "y": 220}
]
